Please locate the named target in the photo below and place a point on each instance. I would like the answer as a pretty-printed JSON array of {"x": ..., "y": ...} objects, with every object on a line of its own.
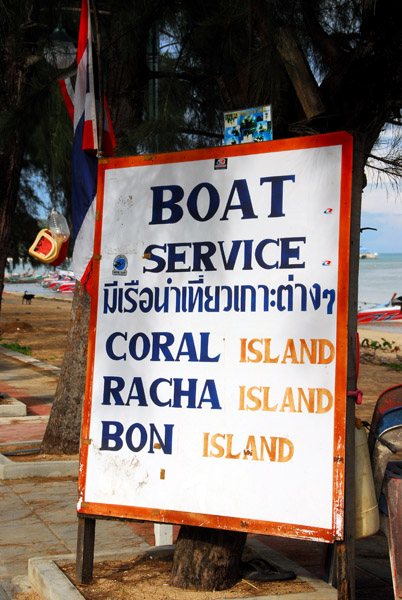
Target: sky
[{"x": 382, "y": 209}]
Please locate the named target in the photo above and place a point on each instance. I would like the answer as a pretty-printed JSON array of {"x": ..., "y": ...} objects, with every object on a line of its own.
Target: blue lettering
[
  {"x": 210, "y": 388},
  {"x": 112, "y": 433},
  {"x": 169, "y": 204},
  {"x": 174, "y": 257},
  {"x": 153, "y": 392},
  {"x": 187, "y": 348},
  {"x": 204, "y": 356},
  {"x": 245, "y": 205},
  {"x": 203, "y": 257},
  {"x": 108, "y": 390},
  {"x": 132, "y": 347},
  {"x": 287, "y": 253},
  {"x": 160, "y": 262},
  {"x": 277, "y": 193},
  {"x": 213, "y": 202},
  {"x": 166, "y": 444},
  {"x": 162, "y": 346},
  {"x": 142, "y": 439},
  {"x": 111, "y": 440},
  {"x": 138, "y": 387},
  {"x": 259, "y": 251},
  {"x": 109, "y": 345},
  {"x": 179, "y": 393}
]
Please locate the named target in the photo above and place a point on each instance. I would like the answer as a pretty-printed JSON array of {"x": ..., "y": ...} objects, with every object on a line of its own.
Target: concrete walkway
[{"x": 38, "y": 519}]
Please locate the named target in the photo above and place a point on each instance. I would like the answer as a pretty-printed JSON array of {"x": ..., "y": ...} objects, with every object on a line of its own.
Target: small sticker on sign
[
  {"x": 120, "y": 265},
  {"x": 221, "y": 163}
]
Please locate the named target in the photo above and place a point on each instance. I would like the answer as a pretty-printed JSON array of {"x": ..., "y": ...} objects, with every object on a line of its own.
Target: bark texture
[
  {"x": 10, "y": 168},
  {"x": 12, "y": 88},
  {"x": 62, "y": 434},
  {"x": 207, "y": 559}
]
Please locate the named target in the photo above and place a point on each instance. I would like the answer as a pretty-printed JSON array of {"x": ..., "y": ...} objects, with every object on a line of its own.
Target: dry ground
[
  {"x": 42, "y": 325},
  {"x": 147, "y": 577}
]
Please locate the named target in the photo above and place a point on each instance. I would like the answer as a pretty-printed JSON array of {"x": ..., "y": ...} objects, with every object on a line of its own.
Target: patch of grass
[
  {"x": 376, "y": 345},
  {"x": 17, "y": 347},
  {"x": 395, "y": 366}
]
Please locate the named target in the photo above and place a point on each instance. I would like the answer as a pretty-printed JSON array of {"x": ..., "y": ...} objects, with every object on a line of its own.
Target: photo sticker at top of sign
[{"x": 248, "y": 125}]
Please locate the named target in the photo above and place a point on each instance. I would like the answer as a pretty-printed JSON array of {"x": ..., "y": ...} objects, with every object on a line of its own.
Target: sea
[{"x": 379, "y": 279}]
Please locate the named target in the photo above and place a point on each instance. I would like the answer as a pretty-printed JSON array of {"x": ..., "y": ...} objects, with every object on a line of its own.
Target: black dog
[{"x": 27, "y": 298}]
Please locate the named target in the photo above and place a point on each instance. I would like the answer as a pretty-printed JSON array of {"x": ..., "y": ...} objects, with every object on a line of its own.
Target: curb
[
  {"x": 31, "y": 362},
  {"x": 21, "y": 443},
  {"x": 14, "y": 470},
  {"x": 49, "y": 468},
  {"x": 3, "y": 593},
  {"x": 12, "y": 407},
  {"x": 50, "y": 583}
]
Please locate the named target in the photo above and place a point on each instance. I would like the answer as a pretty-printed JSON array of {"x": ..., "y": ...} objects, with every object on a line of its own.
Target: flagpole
[{"x": 100, "y": 83}]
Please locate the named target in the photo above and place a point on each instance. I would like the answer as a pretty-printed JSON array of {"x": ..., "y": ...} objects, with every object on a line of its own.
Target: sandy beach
[{"x": 43, "y": 326}]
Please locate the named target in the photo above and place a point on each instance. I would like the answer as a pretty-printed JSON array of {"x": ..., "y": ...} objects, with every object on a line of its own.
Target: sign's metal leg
[{"x": 85, "y": 550}]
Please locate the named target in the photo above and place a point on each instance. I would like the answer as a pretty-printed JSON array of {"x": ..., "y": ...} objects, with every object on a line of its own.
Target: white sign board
[{"x": 217, "y": 357}]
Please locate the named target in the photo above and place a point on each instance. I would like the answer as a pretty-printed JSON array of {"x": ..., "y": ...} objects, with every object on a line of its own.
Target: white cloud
[
  {"x": 381, "y": 199},
  {"x": 382, "y": 209}
]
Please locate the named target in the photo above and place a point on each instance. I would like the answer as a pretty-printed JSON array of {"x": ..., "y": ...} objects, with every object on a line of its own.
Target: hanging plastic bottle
[
  {"x": 50, "y": 245},
  {"x": 58, "y": 226}
]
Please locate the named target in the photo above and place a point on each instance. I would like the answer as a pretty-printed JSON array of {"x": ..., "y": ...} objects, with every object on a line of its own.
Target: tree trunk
[
  {"x": 207, "y": 559},
  {"x": 10, "y": 168},
  {"x": 11, "y": 155},
  {"x": 62, "y": 434}
]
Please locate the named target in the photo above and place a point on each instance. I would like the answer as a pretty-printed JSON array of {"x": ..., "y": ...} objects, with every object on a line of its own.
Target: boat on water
[
  {"x": 67, "y": 287},
  {"x": 27, "y": 277},
  {"x": 55, "y": 278},
  {"x": 365, "y": 253},
  {"x": 58, "y": 283},
  {"x": 390, "y": 311}
]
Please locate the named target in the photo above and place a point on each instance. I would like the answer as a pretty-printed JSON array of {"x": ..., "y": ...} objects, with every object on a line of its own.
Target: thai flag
[{"x": 82, "y": 106}]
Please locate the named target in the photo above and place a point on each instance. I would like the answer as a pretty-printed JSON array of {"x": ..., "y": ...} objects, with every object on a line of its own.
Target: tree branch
[
  {"x": 168, "y": 74},
  {"x": 393, "y": 163},
  {"x": 380, "y": 170},
  {"x": 202, "y": 132},
  {"x": 299, "y": 72},
  {"x": 330, "y": 52}
]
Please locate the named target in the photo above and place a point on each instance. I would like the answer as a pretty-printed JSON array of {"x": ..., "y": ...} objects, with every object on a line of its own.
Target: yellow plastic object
[
  {"x": 367, "y": 520},
  {"x": 45, "y": 248}
]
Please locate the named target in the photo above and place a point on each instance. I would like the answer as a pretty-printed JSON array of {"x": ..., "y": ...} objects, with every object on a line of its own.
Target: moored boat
[
  {"x": 365, "y": 253},
  {"x": 24, "y": 278},
  {"x": 68, "y": 286},
  {"x": 56, "y": 277},
  {"x": 391, "y": 311}
]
